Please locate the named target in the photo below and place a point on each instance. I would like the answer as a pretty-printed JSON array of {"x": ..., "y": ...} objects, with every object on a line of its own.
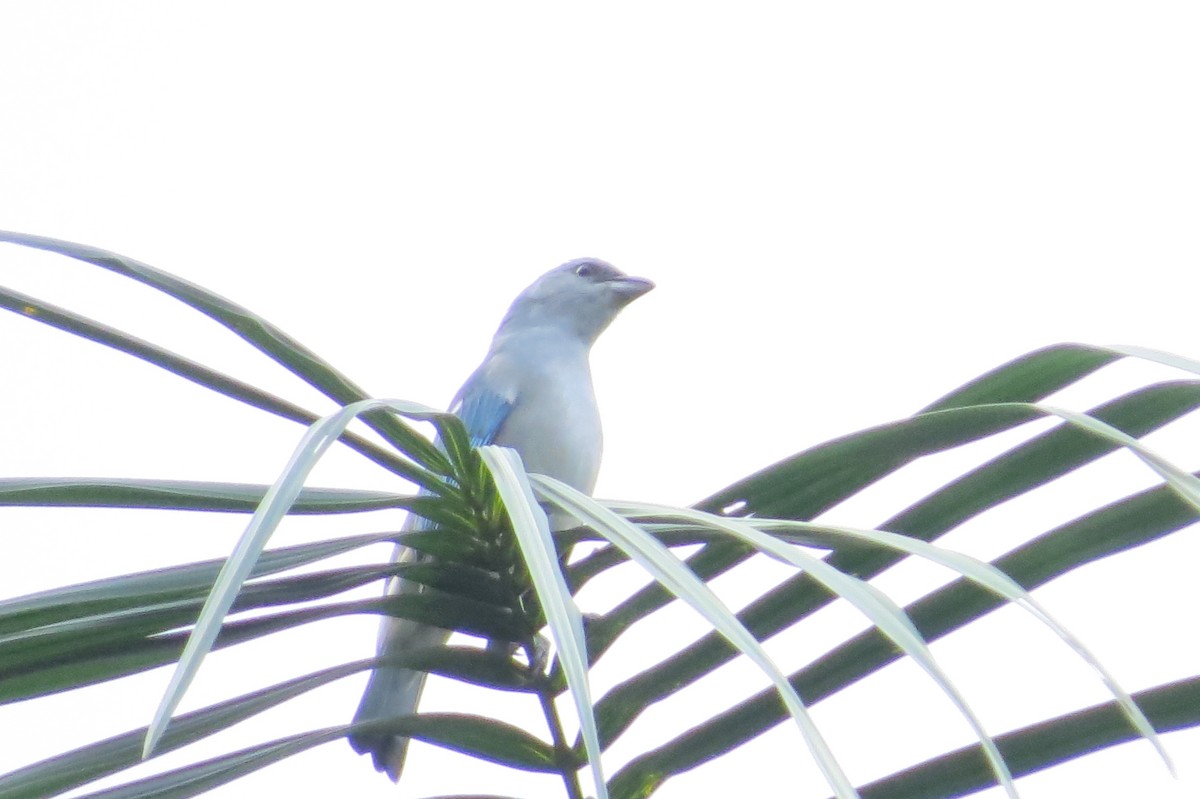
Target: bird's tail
[{"x": 390, "y": 693}]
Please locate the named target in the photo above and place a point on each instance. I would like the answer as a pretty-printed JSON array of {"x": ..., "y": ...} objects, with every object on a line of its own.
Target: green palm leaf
[{"x": 496, "y": 582}]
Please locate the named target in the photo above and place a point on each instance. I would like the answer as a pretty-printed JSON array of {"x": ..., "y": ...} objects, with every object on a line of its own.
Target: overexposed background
[{"x": 849, "y": 209}]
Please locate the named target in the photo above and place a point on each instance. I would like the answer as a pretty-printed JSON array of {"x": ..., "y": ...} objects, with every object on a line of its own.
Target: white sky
[{"x": 849, "y": 209}]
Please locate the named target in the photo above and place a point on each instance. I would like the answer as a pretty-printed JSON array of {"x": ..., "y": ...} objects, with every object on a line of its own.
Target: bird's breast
[{"x": 555, "y": 426}]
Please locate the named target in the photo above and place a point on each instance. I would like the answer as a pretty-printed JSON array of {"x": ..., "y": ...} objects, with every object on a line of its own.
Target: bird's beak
[{"x": 629, "y": 288}]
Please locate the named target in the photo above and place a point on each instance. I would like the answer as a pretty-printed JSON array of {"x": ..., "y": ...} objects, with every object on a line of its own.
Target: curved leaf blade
[
  {"x": 532, "y": 531},
  {"x": 1039, "y": 460},
  {"x": 76, "y": 324},
  {"x": 1171, "y": 707},
  {"x": 666, "y": 568},
  {"x": 879, "y": 609},
  {"x": 275, "y": 504},
  {"x": 256, "y": 331},
  {"x": 1122, "y": 525},
  {"x": 266, "y": 517}
]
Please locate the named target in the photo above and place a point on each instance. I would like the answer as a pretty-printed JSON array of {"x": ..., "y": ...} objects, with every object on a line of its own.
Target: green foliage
[{"x": 497, "y": 578}]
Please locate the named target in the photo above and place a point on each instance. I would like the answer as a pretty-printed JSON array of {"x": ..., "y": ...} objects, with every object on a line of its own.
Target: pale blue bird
[{"x": 533, "y": 392}]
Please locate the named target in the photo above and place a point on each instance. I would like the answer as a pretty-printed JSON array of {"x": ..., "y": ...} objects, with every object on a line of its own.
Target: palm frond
[{"x": 495, "y": 574}]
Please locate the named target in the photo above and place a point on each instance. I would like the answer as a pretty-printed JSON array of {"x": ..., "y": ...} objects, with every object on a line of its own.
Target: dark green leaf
[
  {"x": 812, "y": 482},
  {"x": 452, "y": 437},
  {"x": 255, "y": 330},
  {"x": 1047, "y": 743},
  {"x": 88, "y": 763},
  {"x": 446, "y": 513},
  {"x": 461, "y": 580},
  {"x": 478, "y": 737},
  {"x": 447, "y": 544},
  {"x": 1123, "y": 525},
  {"x": 74, "y": 625},
  {"x": 1043, "y": 458},
  {"x": 198, "y": 778},
  {"x": 455, "y": 613},
  {"x": 119, "y": 646},
  {"x": 146, "y": 589},
  {"x": 81, "y": 326},
  {"x": 1030, "y": 377},
  {"x": 114, "y": 492},
  {"x": 487, "y": 667}
]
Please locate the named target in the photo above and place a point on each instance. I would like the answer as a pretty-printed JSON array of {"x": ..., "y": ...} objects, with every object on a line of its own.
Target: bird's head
[{"x": 581, "y": 297}]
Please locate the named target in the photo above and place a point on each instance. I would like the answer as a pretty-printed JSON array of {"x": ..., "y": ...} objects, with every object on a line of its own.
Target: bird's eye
[{"x": 586, "y": 269}]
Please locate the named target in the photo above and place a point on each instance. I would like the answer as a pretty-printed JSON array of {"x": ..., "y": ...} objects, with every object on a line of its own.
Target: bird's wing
[{"x": 482, "y": 409}]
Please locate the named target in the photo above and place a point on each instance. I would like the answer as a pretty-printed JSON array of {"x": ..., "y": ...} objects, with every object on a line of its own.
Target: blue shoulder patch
[{"x": 482, "y": 412}]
